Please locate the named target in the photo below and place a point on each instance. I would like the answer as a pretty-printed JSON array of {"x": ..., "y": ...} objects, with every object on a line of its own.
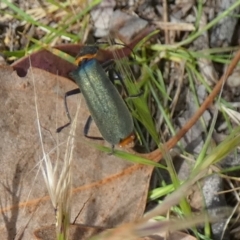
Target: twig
[{"x": 157, "y": 154}]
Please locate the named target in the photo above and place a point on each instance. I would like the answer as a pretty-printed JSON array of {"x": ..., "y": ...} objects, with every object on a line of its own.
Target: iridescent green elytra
[{"x": 106, "y": 106}]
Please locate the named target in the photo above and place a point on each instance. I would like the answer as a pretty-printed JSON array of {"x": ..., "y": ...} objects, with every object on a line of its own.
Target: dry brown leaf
[
  {"x": 78, "y": 232},
  {"x": 109, "y": 190},
  {"x": 170, "y": 236}
]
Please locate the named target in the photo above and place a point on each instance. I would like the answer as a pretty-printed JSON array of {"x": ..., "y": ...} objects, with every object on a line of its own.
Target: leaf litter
[{"x": 93, "y": 173}]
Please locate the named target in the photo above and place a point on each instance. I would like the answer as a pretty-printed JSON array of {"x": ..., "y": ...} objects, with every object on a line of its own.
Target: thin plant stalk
[{"x": 58, "y": 179}]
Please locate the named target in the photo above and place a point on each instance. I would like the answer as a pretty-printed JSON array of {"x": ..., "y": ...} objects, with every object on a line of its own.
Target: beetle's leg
[
  {"x": 87, "y": 127},
  {"x": 67, "y": 94},
  {"x": 112, "y": 150},
  {"x": 108, "y": 64},
  {"x": 114, "y": 75}
]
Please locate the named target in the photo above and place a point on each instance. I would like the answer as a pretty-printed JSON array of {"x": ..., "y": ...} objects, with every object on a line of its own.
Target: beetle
[{"x": 106, "y": 106}]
